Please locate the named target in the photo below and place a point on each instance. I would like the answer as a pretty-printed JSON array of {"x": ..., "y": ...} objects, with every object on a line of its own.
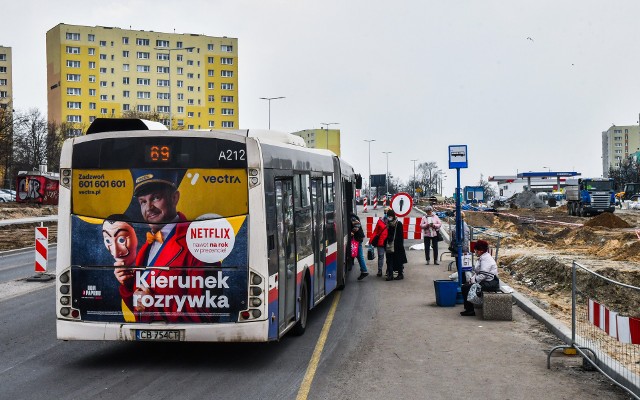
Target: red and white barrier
[
  {"x": 410, "y": 227},
  {"x": 375, "y": 203},
  {"x": 42, "y": 246},
  {"x": 364, "y": 204},
  {"x": 625, "y": 329},
  {"x": 384, "y": 201}
]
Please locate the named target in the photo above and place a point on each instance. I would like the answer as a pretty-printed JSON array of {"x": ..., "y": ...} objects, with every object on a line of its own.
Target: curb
[{"x": 558, "y": 328}]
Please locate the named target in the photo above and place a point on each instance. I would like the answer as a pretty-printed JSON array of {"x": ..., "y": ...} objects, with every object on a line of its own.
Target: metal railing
[{"x": 605, "y": 327}]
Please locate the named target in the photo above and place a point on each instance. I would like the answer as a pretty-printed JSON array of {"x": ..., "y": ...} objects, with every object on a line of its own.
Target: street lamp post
[
  {"x": 327, "y": 127},
  {"x": 414, "y": 178},
  {"x": 170, "y": 94},
  {"x": 369, "y": 141},
  {"x": 269, "y": 100},
  {"x": 387, "y": 177}
]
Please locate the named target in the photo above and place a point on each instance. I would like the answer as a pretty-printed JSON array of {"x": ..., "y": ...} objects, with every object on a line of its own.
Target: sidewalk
[{"x": 417, "y": 350}]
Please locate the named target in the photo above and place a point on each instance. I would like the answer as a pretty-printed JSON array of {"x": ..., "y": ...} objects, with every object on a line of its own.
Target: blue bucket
[{"x": 446, "y": 291}]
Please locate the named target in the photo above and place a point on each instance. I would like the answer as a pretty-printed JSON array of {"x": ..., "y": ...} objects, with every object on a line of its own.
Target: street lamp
[
  {"x": 387, "y": 178},
  {"x": 414, "y": 178},
  {"x": 369, "y": 141},
  {"x": 170, "y": 96},
  {"x": 269, "y": 100},
  {"x": 327, "y": 127}
]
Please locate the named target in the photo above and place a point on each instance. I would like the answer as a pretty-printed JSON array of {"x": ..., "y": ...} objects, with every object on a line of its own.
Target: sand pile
[
  {"x": 528, "y": 199},
  {"x": 607, "y": 220}
]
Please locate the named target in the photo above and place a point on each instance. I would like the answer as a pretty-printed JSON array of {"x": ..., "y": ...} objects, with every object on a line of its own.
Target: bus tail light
[
  {"x": 254, "y": 177},
  {"x": 256, "y": 298},
  {"x": 65, "y": 177},
  {"x": 64, "y": 297}
]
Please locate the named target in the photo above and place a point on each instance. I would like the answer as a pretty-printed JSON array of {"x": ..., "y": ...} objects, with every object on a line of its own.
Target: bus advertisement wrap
[{"x": 159, "y": 245}]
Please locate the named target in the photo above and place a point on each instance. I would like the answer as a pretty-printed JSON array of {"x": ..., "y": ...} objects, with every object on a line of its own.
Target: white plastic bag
[{"x": 474, "y": 291}]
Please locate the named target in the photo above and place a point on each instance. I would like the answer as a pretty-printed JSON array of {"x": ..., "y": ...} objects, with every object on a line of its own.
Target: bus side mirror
[{"x": 358, "y": 181}]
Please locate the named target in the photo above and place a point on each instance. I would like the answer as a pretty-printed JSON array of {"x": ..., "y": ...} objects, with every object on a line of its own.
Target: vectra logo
[{"x": 221, "y": 179}]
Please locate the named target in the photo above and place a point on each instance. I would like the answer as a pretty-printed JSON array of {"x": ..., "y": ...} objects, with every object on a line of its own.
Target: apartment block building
[
  {"x": 321, "y": 139},
  {"x": 618, "y": 143},
  {"x": 6, "y": 79},
  {"x": 190, "y": 81}
]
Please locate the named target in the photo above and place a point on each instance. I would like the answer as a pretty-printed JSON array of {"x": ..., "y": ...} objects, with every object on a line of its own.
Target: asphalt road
[
  {"x": 20, "y": 264},
  {"x": 387, "y": 340}
]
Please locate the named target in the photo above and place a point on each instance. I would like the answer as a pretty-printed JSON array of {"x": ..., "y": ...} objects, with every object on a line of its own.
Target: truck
[{"x": 590, "y": 196}]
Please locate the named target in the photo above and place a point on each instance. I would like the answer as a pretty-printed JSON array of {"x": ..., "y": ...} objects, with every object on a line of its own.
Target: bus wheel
[{"x": 301, "y": 325}]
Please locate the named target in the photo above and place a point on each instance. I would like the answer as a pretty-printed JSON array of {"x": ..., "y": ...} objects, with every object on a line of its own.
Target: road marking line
[{"x": 305, "y": 386}]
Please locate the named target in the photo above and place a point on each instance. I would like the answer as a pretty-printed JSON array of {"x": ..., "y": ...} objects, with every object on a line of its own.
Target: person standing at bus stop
[
  {"x": 430, "y": 224},
  {"x": 394, "y": 247},
  {"x": 357, "y": 234},
  {"x": 379, "y": 237}
]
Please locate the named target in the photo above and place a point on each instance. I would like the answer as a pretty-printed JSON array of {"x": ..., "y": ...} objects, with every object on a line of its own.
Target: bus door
[
  {"x": 286, "y": 253},
  {"x": 319, "y": 249}
]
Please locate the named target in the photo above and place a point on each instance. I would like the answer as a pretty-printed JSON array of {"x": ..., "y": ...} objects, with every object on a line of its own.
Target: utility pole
[
  {"x": 327, "y": 125},
  {"x": 269, "y": 100},
  {"x": 369, "y": 141},
  {"x": 414, "y": 178},
  {"x": 387, "y": 177}
]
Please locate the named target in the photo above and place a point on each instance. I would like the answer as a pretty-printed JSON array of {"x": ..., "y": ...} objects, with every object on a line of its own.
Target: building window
[
  {"x": 142, "y": 42},
  {"x": 74, "y": 118},
  {"x": 179, "y": 45},
  {"x": 73, "y": 36},
  {"x": 226, "y": 74},
  {"x": 212, "y": 111},
  {"x": 163, "y": 70},
  {"x": 144, "y": 108},
  {"x": 143, "y": 68},
  {"x": 616, "y": 144},
  {"x": 3, "y": 70},
  {"x": 4, "y": 94},
  {"x": 103, "y": 56},
  {"x": 226, "y": 99},
  {"x": 618, "y": 151},
  {"x": 125, "y": 53},
  {"x": 103, "y": 111},
  {"x": 92, "y": 65},
  {"x": 162, "y": 43},
  {"x": 210, "y": 46},
  {"x": 190, "y": 114},
  {"x": 92, "y": 78},
  {"x": 126, "y": 93},
  {"x": 163, "y": 82},
  {"x": 190, "y": 102},
  {"x": 143, "y": 55},
  {"x": 126, "y": 107},
  {"x": 74, "y": 105},
  {"x": 211, "y": 124},
  {"x": 163, "y": 56},
  {"x": 227, "y": 124},
  {"x": 73, "y": 77},
  {"x": 226, "y": 47},
  {"x": 180, "y": 96},
  {"x": 144, "y": 95},
  {"x": 189, "y": 88},
  {"x": 73, "y": 64},
  {"x": 103, "y": 43},
  {"x": 73, "y": 50},
  {"x": 226, "y": 86},
  {"x": 91, "y": 37},
  {"x": 210, "y": 60},
  {"x": 163, "y": 109},
  {"x": 226, "y": 60},
  {"x": 179, "y": 57},
  {"x": 92, "y": 106},
  {"x": 180, "y": 109},
  {"x": 103, "y": 83},
  {"x": 92, "y": 92},
  {"x": 125, "y": 40},
  {"x": 180, "y": 83},
  {"x": 74, "y": 91},
  {"x": 227, "y": 111},
  {"x": 125, "y": 80},
  {"x": 143, "y": 81},
  {"x": 180, "y": 70},
  {"x": 103, "y": 70},
  {"x": 3, "y": 57},
  {"x": 211, "y": 85},
  {"x": 163, "y": 96}
]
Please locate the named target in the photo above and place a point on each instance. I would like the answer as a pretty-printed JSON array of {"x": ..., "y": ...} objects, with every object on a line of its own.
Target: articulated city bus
[{"x": 221, "y": 236}]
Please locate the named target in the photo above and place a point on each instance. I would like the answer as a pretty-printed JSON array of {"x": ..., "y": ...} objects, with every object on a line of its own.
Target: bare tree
[
  {"x": 30, "y": 140},
  {"x": 489, "y": 191},
  {"x": 428, "y": 173},
  {"x": 56, "y": 135},
  {"x": 6, "y": 144}
]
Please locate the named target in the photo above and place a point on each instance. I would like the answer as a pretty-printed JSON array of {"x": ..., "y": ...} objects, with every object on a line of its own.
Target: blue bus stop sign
[{"x": 458, "y": 156}]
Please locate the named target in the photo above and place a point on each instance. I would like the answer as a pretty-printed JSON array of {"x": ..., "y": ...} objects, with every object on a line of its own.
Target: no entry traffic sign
[{"x": 401, "y": 204}]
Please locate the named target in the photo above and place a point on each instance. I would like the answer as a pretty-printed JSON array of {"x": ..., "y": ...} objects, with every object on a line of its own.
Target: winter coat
[
  {"x": 398, "y": 243},
  {"x": 427, "y": 230},
  {"x": 381, "y": 232}
]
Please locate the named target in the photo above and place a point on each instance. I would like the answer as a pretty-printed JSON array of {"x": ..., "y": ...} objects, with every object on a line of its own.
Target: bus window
[
  {"x": 286, "y": 252},
  {"x": 302, "y": 216}
]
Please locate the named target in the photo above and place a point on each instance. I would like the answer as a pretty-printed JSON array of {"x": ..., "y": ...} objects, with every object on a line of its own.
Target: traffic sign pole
[{"x": 458, "y": 159}]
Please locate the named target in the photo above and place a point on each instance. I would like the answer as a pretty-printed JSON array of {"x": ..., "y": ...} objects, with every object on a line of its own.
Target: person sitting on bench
[{"x": 485, "y": 273}]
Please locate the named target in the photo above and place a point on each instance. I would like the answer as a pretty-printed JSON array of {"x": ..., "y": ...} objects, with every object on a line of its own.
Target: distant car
[{"x": 7, "y": 195}]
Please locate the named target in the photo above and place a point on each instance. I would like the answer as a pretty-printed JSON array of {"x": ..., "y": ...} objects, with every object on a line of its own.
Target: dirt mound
[
  {"x": 479, "y": 218},
  {"x": 607, "y": 220},
  {"x": 20, "y": 210},
  {"x": 528, "y": 199},
  {"x": 627, "y": 253}
]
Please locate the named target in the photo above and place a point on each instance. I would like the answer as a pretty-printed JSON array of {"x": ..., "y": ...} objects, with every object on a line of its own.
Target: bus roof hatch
[{"x": 124, "y": 124}]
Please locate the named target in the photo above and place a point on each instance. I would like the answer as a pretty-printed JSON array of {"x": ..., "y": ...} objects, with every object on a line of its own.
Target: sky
[{"x": 526, "y": 85}]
